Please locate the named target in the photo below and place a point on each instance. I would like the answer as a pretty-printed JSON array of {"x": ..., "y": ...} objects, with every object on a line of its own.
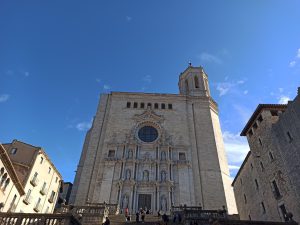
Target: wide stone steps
[{"x": 121, "y": 220}]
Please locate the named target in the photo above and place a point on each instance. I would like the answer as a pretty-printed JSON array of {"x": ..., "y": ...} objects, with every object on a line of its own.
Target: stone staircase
[{"x": 120, "y": 220}]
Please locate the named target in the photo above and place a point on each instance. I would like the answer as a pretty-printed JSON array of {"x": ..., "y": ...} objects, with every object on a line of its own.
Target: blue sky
[{"x": 57, "y": 57}]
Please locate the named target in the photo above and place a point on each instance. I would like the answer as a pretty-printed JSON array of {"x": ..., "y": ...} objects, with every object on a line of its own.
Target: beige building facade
[
  {"x": 156, "y": 150},
  {"x": 37, "y": 175},
  {"x": 11, "y": 188},
  {"x": 267, "y": 186}
]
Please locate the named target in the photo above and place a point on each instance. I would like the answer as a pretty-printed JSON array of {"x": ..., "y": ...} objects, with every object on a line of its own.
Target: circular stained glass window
[{"x": 148, "y": 134}]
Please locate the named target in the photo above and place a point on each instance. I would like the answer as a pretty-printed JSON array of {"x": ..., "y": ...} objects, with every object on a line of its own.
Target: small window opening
[
  {"x": 182, "y": 156},
  {"x": 289, "y": 136},
  {"x": 128, "y": 104},
  {"x": 274, "y": 113},
  {"x": 135, "y": 105},
  {"x": 241, "y": 181},
  {"x": 245, "y": 199},
  {"x": 260, "y": 119},
  {"x": 256, "y": 184},
  {"x": 142, "y": 105},
  {"x": 275, "y": 190},
  {"x": 262, "y": 166},
  {"x": 163, "y": 106},
  {"x": 149, "y": 105},
  {"x": 251, "y": 166},
  {"x": 255, "y": 125},
  {"x": 263, "y": 207},
  {"x": 156, "y": 106},
  {"x": 196, "y": 82},
  {"x": 14, "y": 151},
  {"x": 260, "y": 142},
  {"x": 271, "y": 156},
  {"x": 250, "y": 133},
  {"x": 111, "y": 153},
  {"x": 170, "y": 106},
  {"x": 42, "y": 159}
]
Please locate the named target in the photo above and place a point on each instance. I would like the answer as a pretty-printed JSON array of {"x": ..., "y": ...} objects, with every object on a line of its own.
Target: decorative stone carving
[
  {"x": 128, "y": 174},
  {"x": 125, "y": 201},
  {"x": 163, "y": 204}
]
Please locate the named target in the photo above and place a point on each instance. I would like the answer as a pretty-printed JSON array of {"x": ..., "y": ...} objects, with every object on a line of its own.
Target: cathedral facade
[{"x": 156, "y": 150}]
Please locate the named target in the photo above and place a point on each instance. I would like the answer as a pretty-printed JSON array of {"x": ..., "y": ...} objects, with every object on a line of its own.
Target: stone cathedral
[{"x": 156, "y": 150}]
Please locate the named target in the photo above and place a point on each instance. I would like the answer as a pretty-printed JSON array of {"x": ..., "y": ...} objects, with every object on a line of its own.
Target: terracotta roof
[{"x": 257, "y": 111}]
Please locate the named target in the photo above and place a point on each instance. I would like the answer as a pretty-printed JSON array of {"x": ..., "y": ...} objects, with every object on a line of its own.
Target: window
[
  {"x": 49, "y": 171},
  {"x": 260, "y": 119},
  {"x": 289, "y": 136},
  {"x": 146, "y": 175},
  {"x": 163, "y": 106},
  {"x": 263, "y": 207},
  {"x": 170, "y": 106},
  {"x": 3, "y": 179},
  {"x": 111, "y": 153},
  {"x": 51, "y": 198},
  {"x": 241, "y": 181},
  {"x": 56, "y": 179},
  {"x": 274, "y": 113},
  {"x": 128, "y": 104},
  {"x": 42, "y": 159},
  {"x": 256, "y": 184},
  {"x": 149, "y": 105},
  {"x": 182, "y": 156},
  {"x": 13, "y": 151},
  {"x": 187, "y": 86},
  {"x": 156, "y": 106},
  {"x": 6, "y": 184},
  {"x": 275, "y": 189},
  {"x": 148, "y": 134},
  {"x": 142, "y": 105},
  {"x": 261, "y": 166},
  {"x": 135, "y": 105},
  {"x": 196, "y": 82},
  {"x": 250, "y": 133},
  {"x": 245, "y": 199},
  {"x": 271, "y": 156},
  {"x": 255, "y": 125},
  {"x": 251, "y": 166},
  {"x": 283, "y": 212}
]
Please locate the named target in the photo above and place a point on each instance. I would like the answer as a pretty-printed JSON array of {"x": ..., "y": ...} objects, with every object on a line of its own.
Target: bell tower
[{"x": 193, "y": 81}]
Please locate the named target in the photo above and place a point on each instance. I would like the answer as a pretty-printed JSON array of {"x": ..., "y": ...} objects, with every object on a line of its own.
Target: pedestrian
[
  {"x": 107, "y": 221},
  {"x": 165, "y": 218},
  {"x": 143, "y": 216},
  {"x": 137, "y": 217}
]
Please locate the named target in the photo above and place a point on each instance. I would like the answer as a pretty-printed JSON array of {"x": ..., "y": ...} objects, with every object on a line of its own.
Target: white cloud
[
  {"x": 147, "y": 79},
  {"x": 106, "y": 87},
  {"x": 283, "y": 99},
  {"x": 128, "y": 18},
  {"x": 236, "y": 148},
  {"x": 225, "y": 87},
  {"x": 245, "y": 92},
  {"x": 207, "y": 57},
  {"x": 83, "y": 126},
  {"x": 298, "y": 53},
  {"x": 233, "y": 167},
  {"x": 4, "y": 97},
  {"x": 292, "y": 63}
]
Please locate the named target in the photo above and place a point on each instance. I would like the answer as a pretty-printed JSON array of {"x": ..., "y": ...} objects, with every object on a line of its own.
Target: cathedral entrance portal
[{"x": 144, "y": 201}]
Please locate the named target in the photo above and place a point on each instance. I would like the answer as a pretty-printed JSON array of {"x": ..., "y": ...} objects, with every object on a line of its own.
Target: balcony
[
  {"x": 27, "y": 200},
  {"x": 38, "y": 207},
  {"x": 34, "y": 181},
  {"x": 43, "y": 191}
]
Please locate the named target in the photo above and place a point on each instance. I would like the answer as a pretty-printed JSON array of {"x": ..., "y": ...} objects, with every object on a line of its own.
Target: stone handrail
[{"x": 37, "y": 219}]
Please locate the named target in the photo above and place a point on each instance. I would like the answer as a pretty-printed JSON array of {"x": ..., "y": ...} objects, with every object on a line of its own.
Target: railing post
[{"x": 19, "y": 220}]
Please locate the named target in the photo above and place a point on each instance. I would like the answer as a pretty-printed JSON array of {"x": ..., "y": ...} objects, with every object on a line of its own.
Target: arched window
[
  {"x": 196, "y": 82},
  {"x": 163, "y": 105},
  {"x": 187, "y": 86},
  {"x": 1, "y": 171},
  {"x": 156, "y": 106},
  {"x": 146, "y": 175},
  {"x": 149, "y": 105}
]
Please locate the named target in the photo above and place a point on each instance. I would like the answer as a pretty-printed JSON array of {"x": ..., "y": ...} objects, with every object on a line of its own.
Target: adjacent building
[
  {"x": 156, "y": 150},
  {"x": 11, "y": 188},
  {"x": 36, "y": 177},
  {"x": 64, "y": 194},
  {"x": 267, "y": 186}
]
